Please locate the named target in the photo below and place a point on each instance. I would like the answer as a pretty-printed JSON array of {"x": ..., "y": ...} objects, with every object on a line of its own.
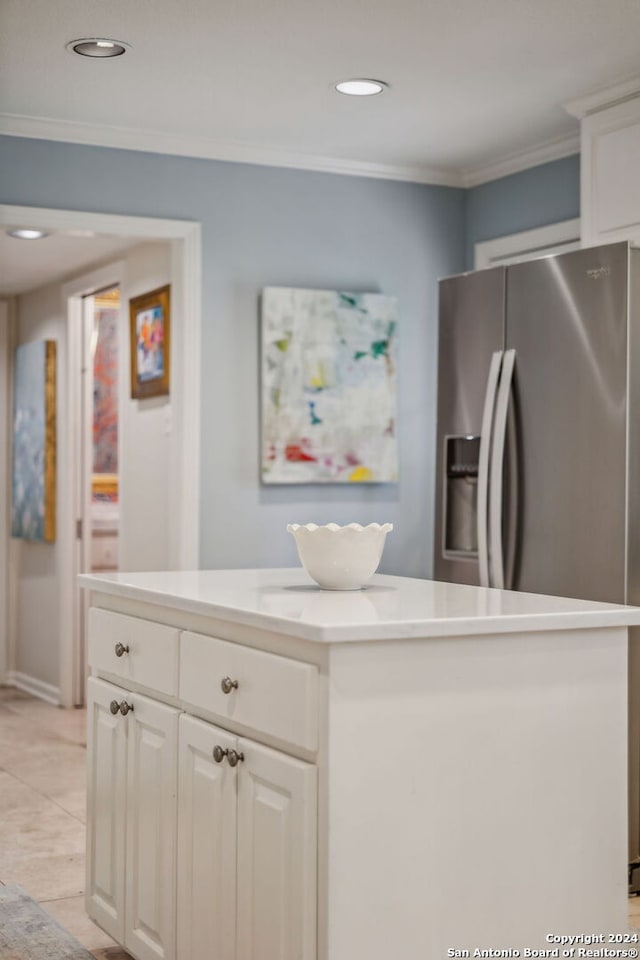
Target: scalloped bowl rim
[{"x": 337, "y": 528}]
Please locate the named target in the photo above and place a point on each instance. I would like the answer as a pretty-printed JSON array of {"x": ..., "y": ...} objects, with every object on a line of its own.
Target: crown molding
[
  {"x": 605, "y": 97},
  {"x": 544, "y": 153},
  {"x": 155, "y": 141}
]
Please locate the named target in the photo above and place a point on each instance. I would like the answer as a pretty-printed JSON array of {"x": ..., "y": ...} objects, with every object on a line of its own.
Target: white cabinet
[
  {"x": 131, "y": 846},
  {"x": 150, "y": 911},
  {"x": 276, "y": 864},
  {"x": 206, "y": 844},
  {"x": 201, "y": 841},
  {"x": 106, "y": 793},
  {"x": 247, "y": 849},
  {"x": 610, "y": 172},
  {"x": 395, "y": 747}
]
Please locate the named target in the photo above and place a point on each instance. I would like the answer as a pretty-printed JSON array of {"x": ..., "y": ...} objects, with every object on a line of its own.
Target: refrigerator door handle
[
  {"x": 496, "y": 572},
  {"x": 483, "y": 466},
  {"x": 512, "y": 523}
]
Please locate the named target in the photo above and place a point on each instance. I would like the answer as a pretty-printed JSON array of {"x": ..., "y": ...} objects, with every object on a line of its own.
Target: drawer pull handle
[
  {"x": 121, "y": 649},
  {"x": 114, "y": 706},
  {"x": 219, "y": 754},
  {"x": 234, "y": 758},
  {"x": 125, "y": 708},
  {"x": 227, "y": 684}
]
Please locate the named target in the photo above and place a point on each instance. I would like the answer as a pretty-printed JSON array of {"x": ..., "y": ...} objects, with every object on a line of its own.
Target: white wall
[{"x": 145, "y": 434}]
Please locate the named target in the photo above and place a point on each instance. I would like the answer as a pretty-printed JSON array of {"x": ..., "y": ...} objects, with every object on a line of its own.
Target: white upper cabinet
[{"x": 610, "y": 164}]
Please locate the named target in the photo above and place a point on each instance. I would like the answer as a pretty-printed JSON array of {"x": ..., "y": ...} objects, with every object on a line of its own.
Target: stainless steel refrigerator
[{"x": 538, "y": 440}]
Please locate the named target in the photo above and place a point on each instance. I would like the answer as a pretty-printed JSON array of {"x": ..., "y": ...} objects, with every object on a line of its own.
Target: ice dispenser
[{"x": 461, "y": 496}]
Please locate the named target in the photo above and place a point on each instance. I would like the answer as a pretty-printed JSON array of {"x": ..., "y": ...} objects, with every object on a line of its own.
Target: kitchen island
[{"x": 278, "y": 772}]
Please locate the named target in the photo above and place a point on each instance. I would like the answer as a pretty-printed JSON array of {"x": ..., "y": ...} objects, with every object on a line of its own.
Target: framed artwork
[
  {"x": 150, "y": 322},
  {"x": 328, "y": 386},
  {"x": 33, "y": 484}
]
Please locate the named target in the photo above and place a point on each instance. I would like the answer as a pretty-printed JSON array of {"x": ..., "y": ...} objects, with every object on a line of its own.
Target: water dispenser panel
[{"x": 461, "y": 496}]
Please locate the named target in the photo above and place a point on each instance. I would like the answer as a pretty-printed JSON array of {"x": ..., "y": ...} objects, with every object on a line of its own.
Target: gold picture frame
[{"x": 149, "y": 325}]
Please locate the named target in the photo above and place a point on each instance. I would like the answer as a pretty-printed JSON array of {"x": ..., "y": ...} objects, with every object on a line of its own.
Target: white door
[
  {"x": 206, "y": 843},
  {"x": 277, "y": 812},
  {"x": 151, "y": 828},
  {"x": 106, "y": 789}
]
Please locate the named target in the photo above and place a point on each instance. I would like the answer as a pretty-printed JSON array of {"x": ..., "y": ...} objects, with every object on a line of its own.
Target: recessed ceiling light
[
  {"x": 23, "y": 234},
  {"x": 361, "y": 87},
  {"x": 98, "y": 47}
]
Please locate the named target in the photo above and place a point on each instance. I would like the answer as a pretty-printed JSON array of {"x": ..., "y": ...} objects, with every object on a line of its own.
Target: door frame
[
  {"x": 186, "y": 259},
  {"x": 73, "y": 661}
]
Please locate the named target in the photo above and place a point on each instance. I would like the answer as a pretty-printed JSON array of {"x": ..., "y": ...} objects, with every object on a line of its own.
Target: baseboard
[{"x": 37, "y": 688}]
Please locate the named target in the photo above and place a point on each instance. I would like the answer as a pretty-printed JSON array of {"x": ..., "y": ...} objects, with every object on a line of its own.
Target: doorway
[
  {"x": 184, "y": 238},
  {"x": 101, "y": 317}
]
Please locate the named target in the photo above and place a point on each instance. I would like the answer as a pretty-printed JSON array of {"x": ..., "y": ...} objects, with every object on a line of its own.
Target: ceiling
[
  {"x": 473, "y": 83},
  {"x": 27, "y": 264}
]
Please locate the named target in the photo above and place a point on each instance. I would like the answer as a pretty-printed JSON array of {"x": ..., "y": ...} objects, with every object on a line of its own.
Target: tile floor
[{"x": 42, "y": 812}]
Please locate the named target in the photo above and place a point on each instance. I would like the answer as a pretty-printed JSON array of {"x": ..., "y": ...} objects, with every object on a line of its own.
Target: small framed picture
[{"x": 149, "y": 320}]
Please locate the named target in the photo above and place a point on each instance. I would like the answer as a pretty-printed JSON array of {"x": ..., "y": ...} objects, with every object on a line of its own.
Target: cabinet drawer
[
  {"x": 152, "y": 658},
  {"x": 274, "y": 695}
]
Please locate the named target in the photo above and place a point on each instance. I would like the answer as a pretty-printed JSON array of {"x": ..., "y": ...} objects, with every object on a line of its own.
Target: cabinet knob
[
  {"x": 121, "y": 649},
  {"x": 227, "y": 684},
  {"x": 234, "y": 758},
  {"x": 114, "y": 706},
  {"x": 219, "y": 754},
  {"x": 125, "y": 708}
]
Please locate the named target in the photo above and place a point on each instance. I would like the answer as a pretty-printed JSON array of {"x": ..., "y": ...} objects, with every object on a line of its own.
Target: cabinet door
[
  {"x": 206, "y": 844},
  {"x": 106, "y": 795},
  {"x": 151, "y": 828},
  {"x": 610, "y": 207},
  {"x": 277, "y": 803}
]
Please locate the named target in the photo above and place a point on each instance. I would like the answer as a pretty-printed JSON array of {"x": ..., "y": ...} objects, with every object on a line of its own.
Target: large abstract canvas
[
  {"x": 34, "y": 442},
  {"x": 328, "y": 387}
]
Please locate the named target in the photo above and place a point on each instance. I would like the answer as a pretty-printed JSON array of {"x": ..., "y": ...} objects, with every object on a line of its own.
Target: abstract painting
[
  {"x": 33, "y": 509},
  {"x": 328, "y": 387},
  {"x": 149, "y": 320}
]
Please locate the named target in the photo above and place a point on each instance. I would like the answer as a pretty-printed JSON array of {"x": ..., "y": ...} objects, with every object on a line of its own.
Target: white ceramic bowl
[{"x": 340, "y": 558}]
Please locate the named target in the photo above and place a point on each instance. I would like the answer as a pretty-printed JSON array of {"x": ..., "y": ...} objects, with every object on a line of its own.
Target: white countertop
[{"x": 287, "y": 601}]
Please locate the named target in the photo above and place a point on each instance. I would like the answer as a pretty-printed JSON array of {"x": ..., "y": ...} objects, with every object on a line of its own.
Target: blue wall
[
  {"x": 532, "y": 198},
  {"x": 270, "y": 226},
  {"x": 267, "y": 226}
]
